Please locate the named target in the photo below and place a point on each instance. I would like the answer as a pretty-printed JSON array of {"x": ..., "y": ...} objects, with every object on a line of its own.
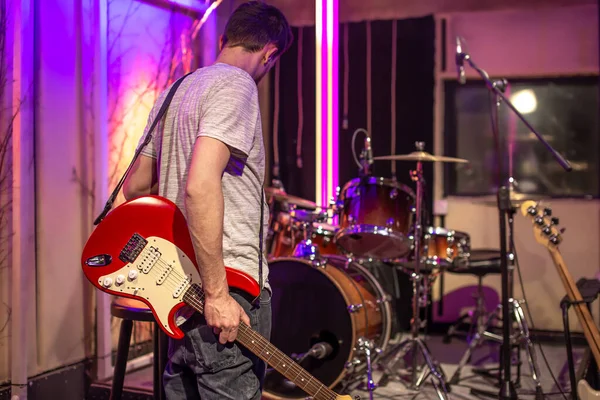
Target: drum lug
[
  {"x": 385, "y": 299},
  {"x": 352, "y": 308}
]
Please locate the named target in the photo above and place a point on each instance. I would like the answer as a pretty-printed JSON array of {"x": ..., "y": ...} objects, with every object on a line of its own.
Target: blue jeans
[{"x": 199, "y": 367}]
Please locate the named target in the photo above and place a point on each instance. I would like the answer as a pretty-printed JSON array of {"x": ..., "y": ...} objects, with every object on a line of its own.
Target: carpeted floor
[{"x": 449, "y": 355}]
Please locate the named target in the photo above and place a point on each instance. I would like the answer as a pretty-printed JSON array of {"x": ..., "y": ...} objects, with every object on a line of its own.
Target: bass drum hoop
[
  {"x": 380, "y": 296},
  {"x": 384, "y": 307}
]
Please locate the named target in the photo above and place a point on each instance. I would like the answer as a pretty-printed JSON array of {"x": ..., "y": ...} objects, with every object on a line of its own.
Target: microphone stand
[{"x": 507, "y": 386}]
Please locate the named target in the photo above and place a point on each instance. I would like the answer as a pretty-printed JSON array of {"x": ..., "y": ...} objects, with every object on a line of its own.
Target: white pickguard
[{"x": 160, "y": 274}]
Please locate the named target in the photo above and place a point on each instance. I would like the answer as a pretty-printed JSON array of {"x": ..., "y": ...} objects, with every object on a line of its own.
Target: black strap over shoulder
[{"x": 159, "y": 116}]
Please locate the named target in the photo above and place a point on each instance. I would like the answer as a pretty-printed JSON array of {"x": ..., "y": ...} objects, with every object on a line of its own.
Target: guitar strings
[{"x": 280, "y": 358}]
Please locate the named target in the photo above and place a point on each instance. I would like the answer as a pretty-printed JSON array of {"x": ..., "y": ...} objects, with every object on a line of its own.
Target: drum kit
[{"x": 330, "y": 313}]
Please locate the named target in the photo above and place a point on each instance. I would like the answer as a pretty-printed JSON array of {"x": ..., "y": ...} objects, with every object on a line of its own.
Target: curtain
[{"x": 414, "y": 101}]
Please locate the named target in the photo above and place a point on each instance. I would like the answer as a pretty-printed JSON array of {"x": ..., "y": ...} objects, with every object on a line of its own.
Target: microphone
[
  {"x": 320, "y": 350},
  {"x": 368, "y": 154},
  {"x": 369, "y": 151},
  {"x": 460, "y": 59}
]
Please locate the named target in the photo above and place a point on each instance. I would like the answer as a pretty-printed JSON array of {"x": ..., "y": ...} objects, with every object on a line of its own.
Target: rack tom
[
  {"x": 289, "y": 233},
  {"x": 441, "y": 247},
  {"x": 375, "y": 218}
]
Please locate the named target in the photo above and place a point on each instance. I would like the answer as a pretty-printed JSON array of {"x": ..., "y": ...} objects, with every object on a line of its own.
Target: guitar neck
[
  {"x": 590, "y": 330},
  {"x": 270, "y": 354}
]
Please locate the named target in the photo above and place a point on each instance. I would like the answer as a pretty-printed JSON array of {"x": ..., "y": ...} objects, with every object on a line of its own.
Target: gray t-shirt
[{"x": 219, "y": 101}]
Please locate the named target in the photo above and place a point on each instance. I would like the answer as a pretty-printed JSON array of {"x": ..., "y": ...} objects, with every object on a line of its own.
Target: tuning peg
[
  {"x": 548, "y": 211},
  {"x": 554, "y": 239},
  {"x": 547, "y": 230},
  {"x": 554, "y": 221},
  {"x": 539, "y": 220},
  {"x": 532, "y": 210}
]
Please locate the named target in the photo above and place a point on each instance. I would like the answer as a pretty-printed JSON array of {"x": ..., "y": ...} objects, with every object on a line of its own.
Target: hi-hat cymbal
[
  {"x": 516, "y": 199},
  {"x": 281, "y": 195},
  {"x": 421, "y": 156}
]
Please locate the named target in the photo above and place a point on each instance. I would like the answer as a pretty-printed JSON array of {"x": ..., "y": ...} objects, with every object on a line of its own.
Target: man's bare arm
[
  {"x": 204, "y": 207},
  {"x": 142, "y": 179}
]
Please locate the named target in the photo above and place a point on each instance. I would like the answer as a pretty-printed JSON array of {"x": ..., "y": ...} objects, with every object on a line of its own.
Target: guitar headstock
[{"x": 545, "y": 226}]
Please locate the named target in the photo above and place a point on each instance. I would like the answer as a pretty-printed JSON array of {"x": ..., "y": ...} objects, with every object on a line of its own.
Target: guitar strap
[
  {"x": 260, "y": 247},
  {"x": 161, "y": 113}
]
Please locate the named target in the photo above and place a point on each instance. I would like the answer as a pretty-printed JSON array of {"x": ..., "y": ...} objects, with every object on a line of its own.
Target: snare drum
[
  {"x": 443, "y": 247},
  {"x": 288, "y": 234},
  {"x": 337, "y": 303},
  {"x": 375, "y": 218}
]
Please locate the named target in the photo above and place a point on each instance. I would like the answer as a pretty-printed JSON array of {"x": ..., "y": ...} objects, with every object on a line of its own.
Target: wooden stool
[{"x": 130, "y": 310}]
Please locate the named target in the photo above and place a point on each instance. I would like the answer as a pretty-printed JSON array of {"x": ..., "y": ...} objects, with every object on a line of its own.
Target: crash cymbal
[
  {"x": 421, "y": 156},
  {"x": 281, "y": 195}
]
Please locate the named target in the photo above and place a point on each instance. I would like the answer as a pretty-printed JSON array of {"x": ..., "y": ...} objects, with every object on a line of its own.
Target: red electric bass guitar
[{"x": 143, "y": 250}]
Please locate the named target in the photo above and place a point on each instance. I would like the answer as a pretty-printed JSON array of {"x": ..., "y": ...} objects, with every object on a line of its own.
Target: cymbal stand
[
  {"x": 415, "y": 343},
  {"x": 518, "y": 338}
]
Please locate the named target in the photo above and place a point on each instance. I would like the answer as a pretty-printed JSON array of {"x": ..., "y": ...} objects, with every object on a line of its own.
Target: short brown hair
[{"x": 255, "y": 24}]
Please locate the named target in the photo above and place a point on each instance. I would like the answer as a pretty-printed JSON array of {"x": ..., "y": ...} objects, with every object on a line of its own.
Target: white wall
[{"x": 542, "y": 42}]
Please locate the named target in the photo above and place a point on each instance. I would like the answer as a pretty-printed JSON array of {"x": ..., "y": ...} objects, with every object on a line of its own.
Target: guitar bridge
[{"x": 133, "y": 248}]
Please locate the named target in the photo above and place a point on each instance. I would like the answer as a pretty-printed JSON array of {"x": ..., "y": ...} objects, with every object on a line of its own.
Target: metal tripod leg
[
  {"x": 431, "y": 366},
  {"x": 521, "y": 336},
  {"x": 478, "y": 338}
]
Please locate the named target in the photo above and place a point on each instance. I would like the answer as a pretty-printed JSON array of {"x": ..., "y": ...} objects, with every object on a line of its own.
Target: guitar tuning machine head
[
  {"x": 547, "y": 230},
  {"x": 548, "y": 211},
  {"x": 539, "y": 220},
  {"x": 532, "y": 210},
  {"x": 554, "y": 239}
]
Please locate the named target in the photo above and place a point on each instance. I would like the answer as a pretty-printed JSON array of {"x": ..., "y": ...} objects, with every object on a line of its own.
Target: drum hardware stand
[
  {"x": 367, "y": 348},
  {"x": 415, "y": 342},
  {"x": 507, "y": 387}
]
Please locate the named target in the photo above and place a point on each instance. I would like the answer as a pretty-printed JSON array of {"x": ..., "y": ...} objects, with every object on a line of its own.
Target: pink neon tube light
[{"x": 327, "y": 99}]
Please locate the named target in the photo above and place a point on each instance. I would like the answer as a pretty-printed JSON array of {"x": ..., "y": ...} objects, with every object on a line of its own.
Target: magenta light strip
[
  {"x": 327, "y": 98},
  {"x": 333, "y": 98},
  {"x": 320, "y": 181}
]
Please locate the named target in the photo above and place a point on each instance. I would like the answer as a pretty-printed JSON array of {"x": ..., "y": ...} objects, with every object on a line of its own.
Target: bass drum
[{"x": 337, "y": 303}]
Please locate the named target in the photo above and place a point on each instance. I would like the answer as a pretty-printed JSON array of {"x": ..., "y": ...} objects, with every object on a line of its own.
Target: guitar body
[
  {"x": 585, "y": 391},
  {"x": 143, "y": 250}
]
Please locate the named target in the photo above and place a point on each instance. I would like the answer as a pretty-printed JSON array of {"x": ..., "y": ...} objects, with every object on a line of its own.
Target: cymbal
[
  {"x": 421, "y": 156},
  {"x": 516, "y": 199},
  {"x": 281, "y": 195}
]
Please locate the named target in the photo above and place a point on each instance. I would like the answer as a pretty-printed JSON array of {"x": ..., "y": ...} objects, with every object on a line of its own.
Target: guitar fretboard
[{"x": 270, "y": 354}]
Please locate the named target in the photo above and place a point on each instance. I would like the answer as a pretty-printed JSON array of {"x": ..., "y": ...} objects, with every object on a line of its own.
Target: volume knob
[{"x": 107, "y": 282}]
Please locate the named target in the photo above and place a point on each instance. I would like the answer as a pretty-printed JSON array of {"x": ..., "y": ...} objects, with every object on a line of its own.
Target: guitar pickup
[
  {"x": 150, "y": 259},
  {"x": 164, "y": 274},
  {"x": 184, "y": 283}
]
